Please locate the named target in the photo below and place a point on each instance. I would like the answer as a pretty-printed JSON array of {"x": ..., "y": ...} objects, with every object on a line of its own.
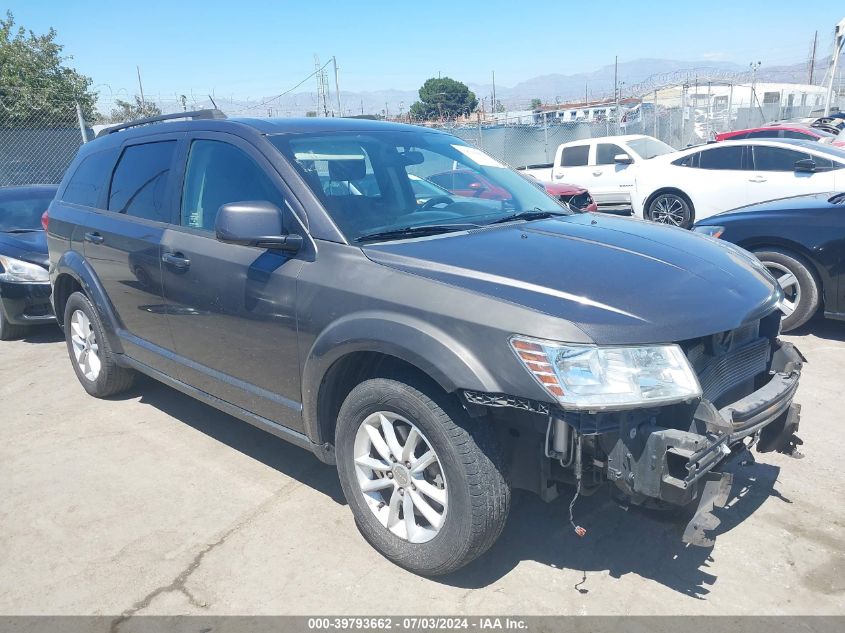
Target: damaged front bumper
[{"x": 678, "y": 467}]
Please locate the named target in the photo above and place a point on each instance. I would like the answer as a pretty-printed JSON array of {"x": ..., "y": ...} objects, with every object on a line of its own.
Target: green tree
[
  {"x": 536, "y": 104},
  {"x": 36, "y": 85},
  {"x": 127, "y": 111},
  {"x": 443, "y": 97}
]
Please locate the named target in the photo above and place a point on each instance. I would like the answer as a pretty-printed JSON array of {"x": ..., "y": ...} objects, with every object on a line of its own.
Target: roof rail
[{"x": 196, "y": 114}]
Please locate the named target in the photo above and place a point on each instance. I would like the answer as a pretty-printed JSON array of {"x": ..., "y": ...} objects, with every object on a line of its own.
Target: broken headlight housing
[{"x": 599, "y": 378}]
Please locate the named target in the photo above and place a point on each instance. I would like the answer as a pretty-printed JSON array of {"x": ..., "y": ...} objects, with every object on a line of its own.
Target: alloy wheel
[
  {"x": 85, "y": 347},
  {"x": 789, "y": 284},
  {"x": 669, "y": 209},
  {"x": 400, "y": 477}
]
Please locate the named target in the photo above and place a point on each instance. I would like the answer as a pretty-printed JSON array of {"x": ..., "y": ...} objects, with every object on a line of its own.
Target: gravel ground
[{"x": 152, "y": 503}]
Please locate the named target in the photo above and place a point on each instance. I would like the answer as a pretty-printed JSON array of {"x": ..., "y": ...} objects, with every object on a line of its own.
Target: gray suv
[{"x": 440, "y": 350}]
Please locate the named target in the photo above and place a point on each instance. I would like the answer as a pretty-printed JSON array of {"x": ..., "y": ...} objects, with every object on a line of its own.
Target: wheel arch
[
  {"x": 72, "y": 273},
  {"x": 662, "y": 190},
  {"x": 347, "y": 353}
]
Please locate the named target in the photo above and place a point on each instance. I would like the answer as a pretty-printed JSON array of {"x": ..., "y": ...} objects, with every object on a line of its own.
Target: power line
[{"x": 288, "y": 91}]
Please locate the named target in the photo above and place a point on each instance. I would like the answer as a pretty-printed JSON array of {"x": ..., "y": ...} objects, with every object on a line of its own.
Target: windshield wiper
[
  {"x": 837, "y": 198},
  {"x": 534, "y": 214},
  {"x": 415, "y": 231}
]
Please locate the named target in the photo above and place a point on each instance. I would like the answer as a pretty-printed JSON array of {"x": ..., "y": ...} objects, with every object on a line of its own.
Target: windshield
[
  {"x": 21, "y": 209},
  {"x": 650, "y": 147},
  {"x": 388, "y": 181}
]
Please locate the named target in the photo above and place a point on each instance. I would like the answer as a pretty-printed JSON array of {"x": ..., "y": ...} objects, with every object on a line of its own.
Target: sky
[{"x": 247, "y": 49}]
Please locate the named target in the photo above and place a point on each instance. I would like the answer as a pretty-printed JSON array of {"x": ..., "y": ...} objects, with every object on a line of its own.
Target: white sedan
[{"x": 701, "y": 181}]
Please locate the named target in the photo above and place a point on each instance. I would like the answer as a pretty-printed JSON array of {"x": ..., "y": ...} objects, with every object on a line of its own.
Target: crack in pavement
[{"x": 178, "y": 583}]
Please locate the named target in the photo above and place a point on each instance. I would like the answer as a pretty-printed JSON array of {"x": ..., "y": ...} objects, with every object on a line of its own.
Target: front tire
[
  {"x": 671, "y": 208},
  {"x": 90, "y": 354},
  {"x": 425, "y": 482},
  {"x": 799, "y": 285}
]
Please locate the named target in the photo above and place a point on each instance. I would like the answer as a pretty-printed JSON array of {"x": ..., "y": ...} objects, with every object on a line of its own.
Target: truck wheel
[
  {"x": 799, "y": 285},
  {"x": 9, "y": 331},
  {"x": 89, "y": 351},
  {"x": 425, "y": 481},
  {"x": 671, "y": 208}
]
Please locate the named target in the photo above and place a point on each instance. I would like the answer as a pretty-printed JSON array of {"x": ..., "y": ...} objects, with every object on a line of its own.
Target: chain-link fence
[{"x": 37, "y": 143}]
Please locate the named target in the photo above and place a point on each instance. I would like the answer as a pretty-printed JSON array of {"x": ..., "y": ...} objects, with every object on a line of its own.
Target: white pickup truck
[{"x": 607, "y": 166}]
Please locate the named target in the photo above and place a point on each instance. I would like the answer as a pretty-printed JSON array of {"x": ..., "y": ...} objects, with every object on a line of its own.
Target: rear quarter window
[{"x": 90, "y": 178}]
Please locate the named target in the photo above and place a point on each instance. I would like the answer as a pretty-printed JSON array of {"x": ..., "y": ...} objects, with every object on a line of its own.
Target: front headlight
[
  {"x": 600, "y": 378},
  {"x": 15, "y": 270},
  {"x": 712, "y": 231}
]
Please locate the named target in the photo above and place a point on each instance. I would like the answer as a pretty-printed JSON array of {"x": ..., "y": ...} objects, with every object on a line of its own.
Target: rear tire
[
  {"x": 10, "y": 331},
  {"x": 671, "y": 208},
  {"x": 464, "y": 485},
  {"x": 798, "y": 282},
  {"x": 90, "y": 352}
]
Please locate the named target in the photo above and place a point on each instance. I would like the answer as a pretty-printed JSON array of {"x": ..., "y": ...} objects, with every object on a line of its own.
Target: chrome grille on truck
[{"x": 726, "y": 361}]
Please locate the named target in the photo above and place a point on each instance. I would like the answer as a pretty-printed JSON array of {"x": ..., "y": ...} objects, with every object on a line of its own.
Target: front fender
[
  {"x": 72, "y": 264},
  {"x": 416, "y": 342}
]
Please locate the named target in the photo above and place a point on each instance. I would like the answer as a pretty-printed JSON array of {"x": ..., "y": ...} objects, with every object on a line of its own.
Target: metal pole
[
  {"x": 141, "y": 88},
  {"x": 546, "y": 136},
  {"x": 336, "y": 87},
  {"x": 81, "y": 119},
  {"x": 837, "y": 52},
  {"x": 654, "y": 112},
  {"x": 616, "y": 92},
  {"x": 730, "y": 108}
]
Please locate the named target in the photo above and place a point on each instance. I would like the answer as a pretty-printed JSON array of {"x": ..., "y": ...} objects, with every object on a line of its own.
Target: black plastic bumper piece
[{"x": 26, "y": 303}]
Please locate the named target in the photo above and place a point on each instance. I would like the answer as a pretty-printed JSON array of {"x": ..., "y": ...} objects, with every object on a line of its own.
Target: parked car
[
  {"x": 576, "y": 198},
  {"x": 702, "y": 181},
  {"x": 606, "y": 166},
  {"x": 438, "y": 354},
  {"x": 784, "y": 130},
  {"x": 24, "y": 283},
  {"x": 801, "y": 241}
]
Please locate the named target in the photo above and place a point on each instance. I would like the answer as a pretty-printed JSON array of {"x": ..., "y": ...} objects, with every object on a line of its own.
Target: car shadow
[
  {"x": 261, "y": 446},
  {"x": 820, "y": 327},
  {"x": 618, "y": 542},
  {"x": 47, "y": 333}
]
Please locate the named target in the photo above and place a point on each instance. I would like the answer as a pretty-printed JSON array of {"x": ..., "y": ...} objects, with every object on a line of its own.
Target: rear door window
[
  {"x": 721, "y": 158},
  {"x": 139, "y": 185},
  {"x": 90, "y": 178},
  {"x": 605, "y": 152},
  {"x": 575, "y": 156}
]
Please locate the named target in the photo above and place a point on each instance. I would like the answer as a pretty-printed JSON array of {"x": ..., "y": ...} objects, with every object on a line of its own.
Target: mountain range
[{"x": 634, "y": 77}]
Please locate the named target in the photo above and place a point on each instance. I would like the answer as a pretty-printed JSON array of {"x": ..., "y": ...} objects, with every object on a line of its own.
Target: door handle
[
  {"x": 94, "y": 238},
  {"x": 176, "y": 260},
  {"x": 757, "y": 179},
  {"x": 558, "y": 176},
  {"x": 598, "y": 172}
]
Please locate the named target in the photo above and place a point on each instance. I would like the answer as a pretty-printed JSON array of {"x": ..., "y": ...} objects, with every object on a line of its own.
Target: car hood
[
  {"x": 619, "y": 280},
  {"x": 29, "y": 247},
  {"x": 563, "y": 189}
]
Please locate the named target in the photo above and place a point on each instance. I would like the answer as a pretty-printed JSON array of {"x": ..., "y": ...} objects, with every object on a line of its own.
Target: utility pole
[
  {"x": 838, "y": 44},
  {"x": 494, "y": 92},
  {"x": 813, "y": 57},
  {"x": 336, "y": 86},
  {"x": 141, "y": 88},
  {"x": 616, "y": 91}
]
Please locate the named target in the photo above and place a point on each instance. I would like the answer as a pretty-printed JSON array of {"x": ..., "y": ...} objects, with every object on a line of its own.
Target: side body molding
[{"x": 414, "y": 341}]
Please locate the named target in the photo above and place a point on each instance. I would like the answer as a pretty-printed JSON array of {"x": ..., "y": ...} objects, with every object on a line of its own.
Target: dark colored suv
[{"x": 440, "y": 354}]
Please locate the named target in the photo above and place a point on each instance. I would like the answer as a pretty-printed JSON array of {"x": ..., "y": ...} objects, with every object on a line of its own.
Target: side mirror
[
  {"x": 623, "y": 159},
  {"x": 254, "y": 223},
  {"x": 805, "y": 165}
]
